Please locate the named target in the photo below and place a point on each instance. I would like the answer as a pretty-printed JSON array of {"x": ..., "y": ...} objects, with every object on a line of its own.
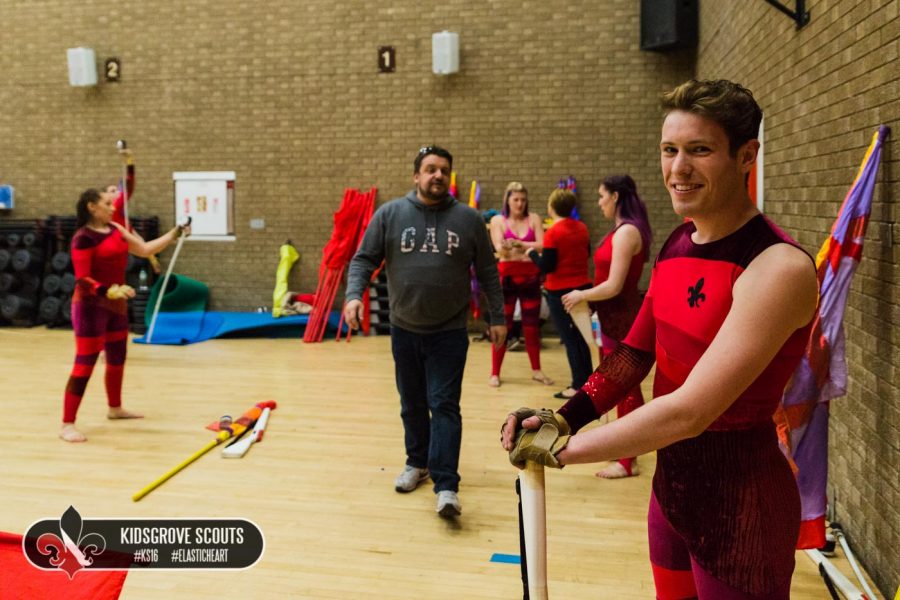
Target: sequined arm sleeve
[
  {"x": 621, "y": 371},
  {"x": 625, "y": 368}
]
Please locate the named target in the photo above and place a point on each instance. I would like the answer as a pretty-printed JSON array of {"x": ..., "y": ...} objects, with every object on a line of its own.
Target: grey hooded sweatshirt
[{"x": 427, "y": 252}]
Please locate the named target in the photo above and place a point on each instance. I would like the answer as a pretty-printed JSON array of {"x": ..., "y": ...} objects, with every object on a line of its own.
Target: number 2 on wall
[{"x": 113, "y": 69}]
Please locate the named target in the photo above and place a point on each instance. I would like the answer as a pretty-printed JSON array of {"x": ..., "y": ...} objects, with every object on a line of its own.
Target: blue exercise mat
[{"x": 180, "y": 328}]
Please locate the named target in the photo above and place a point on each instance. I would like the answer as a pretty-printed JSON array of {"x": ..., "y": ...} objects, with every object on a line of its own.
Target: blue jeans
[
  {"x": 429, "y": 370},
  {"x": 578, "y": 352}
]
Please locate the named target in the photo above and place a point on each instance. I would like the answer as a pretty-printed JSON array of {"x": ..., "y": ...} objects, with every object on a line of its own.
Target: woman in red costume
[
  {"x": 564, "y": 262},
  {"x": 514, "y": 232},
  {"x": 618, "y": 265},
  {"x": 100, "y": 250},
  {"x": 726, "y": 319}
]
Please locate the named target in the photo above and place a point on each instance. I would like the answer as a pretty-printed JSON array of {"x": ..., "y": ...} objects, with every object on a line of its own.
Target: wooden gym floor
[{"x": 320, "y": 485}]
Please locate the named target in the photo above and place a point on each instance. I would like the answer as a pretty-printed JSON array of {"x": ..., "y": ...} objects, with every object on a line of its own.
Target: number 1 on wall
[{"x": 386, "y": 59}]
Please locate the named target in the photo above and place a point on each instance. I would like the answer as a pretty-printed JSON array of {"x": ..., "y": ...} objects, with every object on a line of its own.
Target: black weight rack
[
  {"x": 58, "y": 284},
  {"x": 36, "y": 275},
  {"x": 379, "y": 304},
  {"x": 23, "y": 252}
]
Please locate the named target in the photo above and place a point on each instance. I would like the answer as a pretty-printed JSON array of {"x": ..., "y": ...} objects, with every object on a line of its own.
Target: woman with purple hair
[{"x": 618, "y": 264}]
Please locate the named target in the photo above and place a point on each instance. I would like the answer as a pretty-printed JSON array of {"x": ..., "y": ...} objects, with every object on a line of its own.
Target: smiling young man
[
  {"x": 726, "y": 320},
  {"x": 428, "y": 242}
]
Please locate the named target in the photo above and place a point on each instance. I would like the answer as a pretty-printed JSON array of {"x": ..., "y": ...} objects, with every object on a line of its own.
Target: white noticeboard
[{"x": 207, "y": 197}]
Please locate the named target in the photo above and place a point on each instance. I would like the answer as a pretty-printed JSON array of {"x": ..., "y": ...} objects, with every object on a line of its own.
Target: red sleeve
[
  {"x": 618, "y": 373},
  {"x": 119, "y": 213},
  {"x": 83, "y": 249}
]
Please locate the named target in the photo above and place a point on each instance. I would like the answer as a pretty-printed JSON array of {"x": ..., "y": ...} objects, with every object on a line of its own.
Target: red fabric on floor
[{"x": 20, "y": 580}]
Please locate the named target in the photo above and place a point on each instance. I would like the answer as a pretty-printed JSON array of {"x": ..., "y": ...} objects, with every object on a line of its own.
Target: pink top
[
  {"x": 518, "y": 268},
  {"x": 509, "y": 234}
]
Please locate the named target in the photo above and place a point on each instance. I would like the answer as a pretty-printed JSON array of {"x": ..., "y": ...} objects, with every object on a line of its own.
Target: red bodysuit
[
  {"x": 521, "y": 282},
  {"x": 616, "y": 314},
  {"x": 99, "y": 260},
  {"x": 728, "y": 494}
]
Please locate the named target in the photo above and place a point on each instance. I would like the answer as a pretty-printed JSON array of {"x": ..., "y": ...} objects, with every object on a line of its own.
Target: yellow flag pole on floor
[{"x": 235, "y": 429}]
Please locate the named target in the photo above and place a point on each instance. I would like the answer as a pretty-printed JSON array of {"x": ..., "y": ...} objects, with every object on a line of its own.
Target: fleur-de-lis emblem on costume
[
  {"x": 70, "y": 551},
  {"x": 695, "y": 296}
]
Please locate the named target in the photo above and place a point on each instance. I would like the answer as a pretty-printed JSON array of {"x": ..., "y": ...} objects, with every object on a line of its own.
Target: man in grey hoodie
[{"x": 428, "y": 242}]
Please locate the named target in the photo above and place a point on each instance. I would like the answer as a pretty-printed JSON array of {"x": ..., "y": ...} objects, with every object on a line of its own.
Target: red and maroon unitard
[
  {"x": 521, "y": 281},
  {"x": 725, "y": 511},
  {"x": 617, "y": 314},
  {"x": 99, "y": 260}
]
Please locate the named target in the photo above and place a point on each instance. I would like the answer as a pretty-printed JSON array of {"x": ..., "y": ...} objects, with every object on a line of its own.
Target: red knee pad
[
  {"x": 88, "y": 345},
  {"x": 673, "y": 585}
]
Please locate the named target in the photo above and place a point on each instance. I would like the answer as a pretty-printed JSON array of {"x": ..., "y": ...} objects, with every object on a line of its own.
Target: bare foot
[
  {"x": 541, "y": 378},
  {"x": 118, "y": 412},
  {"x": 70, "y": 434},
  {"x": 494, "y": 381},
  {"x": 615, "y": 470}
]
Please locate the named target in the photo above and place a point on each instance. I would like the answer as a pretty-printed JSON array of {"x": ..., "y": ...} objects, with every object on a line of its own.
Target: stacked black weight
[
  {"x": 37, "y": 278},
  {"x": 380, "y": 305},
  {"x": 22, "y": 255},
  {"x": 55, "y": 309}
]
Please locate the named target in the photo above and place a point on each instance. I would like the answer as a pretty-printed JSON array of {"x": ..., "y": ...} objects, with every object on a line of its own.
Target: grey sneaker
[
  {"x": 448, "y": 504},
  {"x": 410, "y": 479}
]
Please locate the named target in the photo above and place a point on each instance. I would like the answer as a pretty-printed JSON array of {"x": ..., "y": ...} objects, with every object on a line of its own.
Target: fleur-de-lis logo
[
  {"x": 70, "y": 551},
  {"x": 695, "y": 296}
]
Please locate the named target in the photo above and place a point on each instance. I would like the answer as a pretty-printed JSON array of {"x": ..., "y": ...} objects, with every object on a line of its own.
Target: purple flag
[{"x": 822, "y": 373}]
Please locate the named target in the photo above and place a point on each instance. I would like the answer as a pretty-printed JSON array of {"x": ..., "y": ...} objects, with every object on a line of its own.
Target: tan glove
[
  {"x": 539, "y": 445},
  {"x": 119, "y": 292}
]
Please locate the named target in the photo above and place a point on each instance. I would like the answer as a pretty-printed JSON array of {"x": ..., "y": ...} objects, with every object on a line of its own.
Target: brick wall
[
  {"x": 289, "y": 96},
  {"x": 825, "y": 89}
]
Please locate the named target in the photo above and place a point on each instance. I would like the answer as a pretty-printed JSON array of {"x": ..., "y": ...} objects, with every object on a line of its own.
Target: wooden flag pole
[{"x": 534, "y": 524}]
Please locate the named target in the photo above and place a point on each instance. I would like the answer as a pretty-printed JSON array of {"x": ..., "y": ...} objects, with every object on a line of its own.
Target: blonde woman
[{"x": 513, "y": 233}]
